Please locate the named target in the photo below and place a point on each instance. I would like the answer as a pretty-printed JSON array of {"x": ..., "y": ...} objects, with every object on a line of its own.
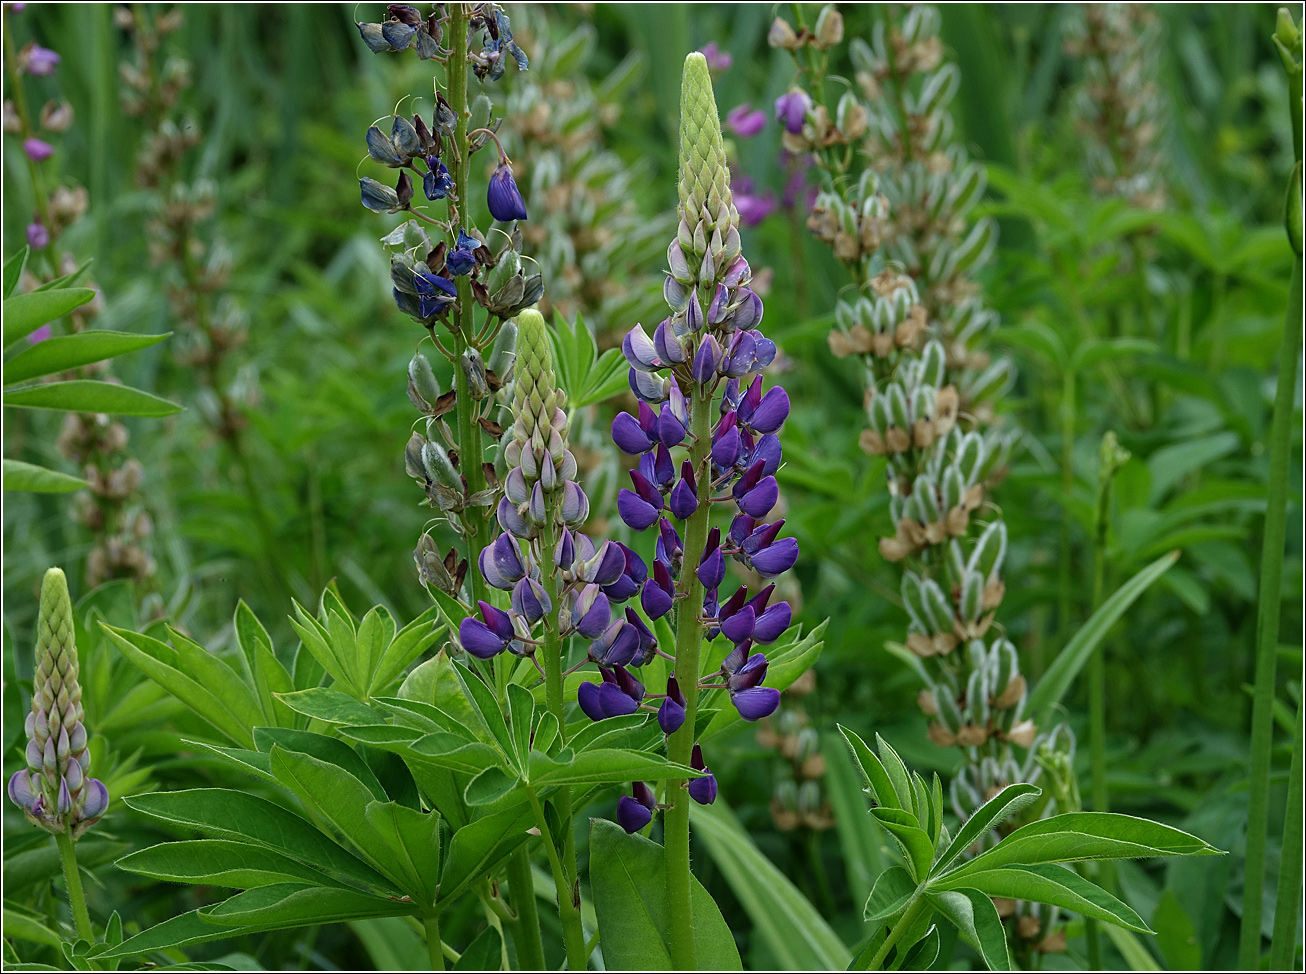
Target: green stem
[
  {"x": 19, "y": 97},
  {"x": 904, "y": 923},
  {"x": 1067, "y": 488},
  {"x": 431, "y": 924},
  {"x": 470, "y": 451},
  {"x": 689, "y": 640},
  {"x": 573, "y": 933},
  {"x": 526, "y": 932},
  {"x": 73, "y": 880},
  {"x": 1267, "y": 625},
  {"x": 1287, "y": 903}
]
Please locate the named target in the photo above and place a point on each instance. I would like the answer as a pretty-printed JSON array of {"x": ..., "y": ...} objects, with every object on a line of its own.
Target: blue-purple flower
[
  {"x": 702, "y": 790},
  {"x": 503, "y": 196},
  {"x": 462, "y": 258},
  {"x": 791, "y": 110},
  {"x": 634, "y": 811},
  {"x": 745, "y": 121}
]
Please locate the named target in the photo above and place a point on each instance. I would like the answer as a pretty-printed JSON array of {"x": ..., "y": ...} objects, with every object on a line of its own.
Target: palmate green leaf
[
  {"x": 521, "y": 714},
  {"x": 327, "y": 749},
  {"x": 227, "y": 814},
  {"x": 163, "y": 664},
  {"x": 319, "y": 642},
  {"x": 1048, "y": 883},
  {"x": 881, "y": 787},
  {"x": 409, "y": 643},
  {"x": 1082, "y": 836},
  {"x": 484, "y": 953},
  {"x": 991, "y": 814},
  {"x": 476, "y": 848},
  {"x": 28, "y": 477},
  {"x": 893, "y": 889},
  {"x": 603, "y": 765},
  {"x": 975, "y": 916},
  {"x": 923, "y": 953},
  {"x": 24, "y": 313},
  {"x": 900, "y": 776},
  {"x": 452, "y": 752},
  {"x": 793, "y": 929},
  {"x": 90, "y": 396},
  {"x": 26, "y": 926},
  {"x": 414, "y": 838},
  {"x": 914, "y": 840},
  {"x": 485, "y": 709},
  {"x": 64, "y": 352},
  {"x": 329, "y": 705},
  {"x": 488, "y": 786},
  {"x": 221, "y": 862},
  {"x": 628, "y": 882},
  {"x": 1061, "y": 674}
]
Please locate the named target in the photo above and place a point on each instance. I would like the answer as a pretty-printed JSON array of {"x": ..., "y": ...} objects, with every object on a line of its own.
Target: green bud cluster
[{"x": 708, "y": 233}]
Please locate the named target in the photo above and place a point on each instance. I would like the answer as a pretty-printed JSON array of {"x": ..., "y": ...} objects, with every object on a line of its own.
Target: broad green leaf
[
  {"x": 220, "y": 862},
  {"x": 409, "y": 643},
  {"x": 915, "y": 841},
  {"x": 20, "y": 476},
  {"x": 521, "y": 713},
  {"x": 414, "y": 838},
  {"x": 375, "y": 632},
  {"x": 215, "y": 675},
  {"x": 287, "y": 906},
  {"x": 179, "y": 931},
  {"x": 486, "y": 708},
  {"x": 488, "y": 787},
  {"x": 793, "y": 929},
  {"x": 227, "y": 814},
  {"x": 991, "y": 814},
  {"x": 877, "y": 778},
  {"x": 1170, "y": 464},
  {"x": 1080, "y": 836},
  {"x": 898, "y": 774},
  {"x": 1061, "y": 674},
  {"x": 317, "y": 640},
  {"x": 484, "y": 953},
  {"x": 628, "y": 882},
  {"x": 974, "y": 915},
  {"x": 330, "y": 750},
  {"x": 476, "y": 848},
  {"x": 90, "y": 396},
  {"x": 1176, "y": 937},
  {"x": 329, "y": 705},
  {"x": 64, "y": 352},
  {"x": 600, "y": 733},
  {"x": 923, "y": 953},
  {"x": 893, "y": 889},
  {"x": 13, "y": 272},
  {"x": 24, "y": 313},
  {"x": 1132, "y": 950},
  {"x": 336, "y": 796},
  {"x": 161, "y": 663},
  {"x": 1092, "y": 352},
  {"x": 25, "y": 926},
  {"x": 1053, "y": 884},
  {"x": 602, "y": 765}
]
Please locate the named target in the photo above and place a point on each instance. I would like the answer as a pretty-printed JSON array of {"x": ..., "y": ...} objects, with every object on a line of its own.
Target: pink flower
[
  {"x": 38, "y": 150},
  {"x": 40, "y": 335},
  {"x": 41, "y": 61},
  {"x": 746, "y": 121},
  {"x": 717, "y": 59},
  {"x": 38, "y": 237}
]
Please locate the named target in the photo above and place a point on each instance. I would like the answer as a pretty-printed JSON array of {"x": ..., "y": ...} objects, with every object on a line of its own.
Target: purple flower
[
  {"x": 744, "y": 675},
  {"x": 501, "y": 563},
  {"x": 669, "y": 547},
  {"x": 754, "y": 493},
  {"x": 672, "y": 712},
  {"x": 438, "y": 181},
  {"x": 634, "y": 436},
  {"x": 636, "y": 810},
  {"x": 717, "y": 59},
  {"x": 434, "y": 293},
  {"x": 41, "y": 61},
  {"x": 639, "y": 508},
  {"x": 503, "y": 197},
  {"x": 712, "y": 567},
  {"x": 640, "y": 351},
  {"x": 632, "y": 576},
  {"x": 657, "y": 468},
  {"x": 590, "y": 612},
  {"x": 40, "y": 335},
  {"x": 616, "y": 645},
  {"x": 462, "y": 258},
  {"x": 617, "y": 696},
  {"x": 771, "y": 621},
  {"x": 658, "y": 595},
  {"x": 38, "y": 150},
  {"x": 648, "y": 642},
  {"x": 745, "y": 120},
  {"x": 684, "y": 496},
  {"x": 754, "y": 209},
  {"x": 791, "y": 110},
  {"x": 702, "y": 790},
  {"x": 530, "y": 601},
  {"x": 38, "y": 237},
  {"x": 487, "y": 639}
]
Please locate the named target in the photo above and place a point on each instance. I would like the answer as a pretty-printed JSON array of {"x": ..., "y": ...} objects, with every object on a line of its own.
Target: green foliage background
[{"x": 284, "y": 95}]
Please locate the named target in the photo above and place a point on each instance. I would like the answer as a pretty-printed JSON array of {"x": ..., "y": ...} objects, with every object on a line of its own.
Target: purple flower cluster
[{"x": 719, "y": 353}]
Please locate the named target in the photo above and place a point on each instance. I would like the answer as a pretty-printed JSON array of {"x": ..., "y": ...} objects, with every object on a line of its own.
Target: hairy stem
[
  {"x": 573, "y": 934},
  {"x": 470, "y": 452},
  {"x": 904, "y": 922},
  {"x": 73, "y": 880},
  {"x": 431, "y": 926},
  {"x": 689, "y": 640}
]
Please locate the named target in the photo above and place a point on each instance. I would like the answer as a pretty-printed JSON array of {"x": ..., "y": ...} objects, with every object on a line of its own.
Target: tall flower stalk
[
  {"x": 696, "y": 368},
  {"x": 1288, "y": 40},
  {"x": 915, "y": 318},
  {"x": 55, "y": 791}
]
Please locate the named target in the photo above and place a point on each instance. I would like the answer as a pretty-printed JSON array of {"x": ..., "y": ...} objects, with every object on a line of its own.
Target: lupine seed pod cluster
[
  {"x": 55, "y": 790},
  {"x": 1118, "y": 106},
  {"x": 708, "y": 353}
]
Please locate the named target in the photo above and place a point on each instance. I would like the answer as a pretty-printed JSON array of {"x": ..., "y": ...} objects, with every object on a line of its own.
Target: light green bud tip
[
  {"x": 55, "y": 679},
  {"x": 537, "y": 400},
  {"x": 704, "y": 177}
]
